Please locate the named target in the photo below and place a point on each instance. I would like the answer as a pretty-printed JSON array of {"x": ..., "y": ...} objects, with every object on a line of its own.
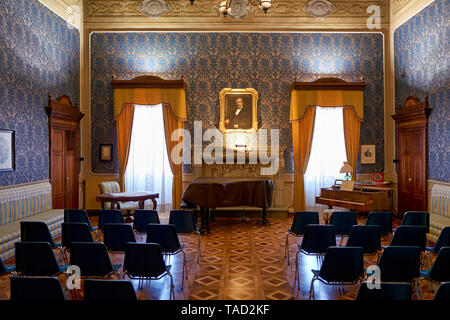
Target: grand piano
[
  {"x": 212, "y": 193},
  {"x": 363, "y": 198}
]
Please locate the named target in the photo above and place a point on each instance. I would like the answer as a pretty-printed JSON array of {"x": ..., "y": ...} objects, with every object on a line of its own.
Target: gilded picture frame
[{"x": 238, "y": 110}]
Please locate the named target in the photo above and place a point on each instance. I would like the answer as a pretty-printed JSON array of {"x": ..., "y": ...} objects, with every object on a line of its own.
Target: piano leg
[
  {"x": 264, "y": 220},
  {"x": 204, "y": 227}
]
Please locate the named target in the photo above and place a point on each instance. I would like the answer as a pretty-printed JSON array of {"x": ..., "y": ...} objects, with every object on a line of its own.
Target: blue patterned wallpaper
[
  {"x": 422, "y": 57},
  {"x": 268, "y": 62},
  {"x": 39, "y": 54}
]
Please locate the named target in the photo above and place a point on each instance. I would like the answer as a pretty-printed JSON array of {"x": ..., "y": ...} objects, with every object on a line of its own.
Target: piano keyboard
[{"x": 344, "y": 201}]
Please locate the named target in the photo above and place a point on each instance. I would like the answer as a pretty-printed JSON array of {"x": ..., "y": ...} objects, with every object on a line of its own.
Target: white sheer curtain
[
  {"x": 327, "y": 153},
  {"x": 148, "y": 167}
]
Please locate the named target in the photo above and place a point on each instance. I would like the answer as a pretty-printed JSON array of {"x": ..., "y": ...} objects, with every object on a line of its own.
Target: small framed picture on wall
[
  {"x": 106, "y": 152},
  {"x": 7, "y": 150},
  {"x": 367, "y": 154}
]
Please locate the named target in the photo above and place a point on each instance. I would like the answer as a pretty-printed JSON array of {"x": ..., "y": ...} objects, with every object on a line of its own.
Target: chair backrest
[
  {"x": 440, "y": 270},
  {"x": 109, "y": 216},
  {"x": 109, "y": 187},
  {"x": 108, "y": 290},
  {"x": 75, "y": 232},
  {"x": 302, "y": 219},
  {"x": 387, "y": 291},
  {"x": 410, "y": 236},
  {"x": 143, "y": 217},
  {"x": 36, "y": 259},
  {"x": 116, "y": 236},
  {"x": 382, "y": 219},
  {"x": 144, "y": 260},
  {"x": 165, "y": 235},
  {"x": 77, "y": 215},
  {"x": 443, "y": 292},
  {"x": 443, "y": 240},
  {"x": 35, "y": 231},
  {"x": 342, "y": 264},
  {"x": 183, "y": 220},
  {"x": 417, "y": 218},
  {"x": 399, "y": 264},
  {"x": 343, "y": 221},
  {"x": 91, "y": 257},
  {"x": 36, "y": 289},
  {"x": 367, "y": 237},
  {"x": 318, "y": 238}
]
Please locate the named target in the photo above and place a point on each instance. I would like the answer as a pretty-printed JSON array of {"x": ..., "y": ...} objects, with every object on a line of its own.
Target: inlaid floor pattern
[{"x": 240, "y": 260}]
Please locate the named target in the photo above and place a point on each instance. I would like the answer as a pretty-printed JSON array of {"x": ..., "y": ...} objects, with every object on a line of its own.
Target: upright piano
[{"x": 363, "y": 198}]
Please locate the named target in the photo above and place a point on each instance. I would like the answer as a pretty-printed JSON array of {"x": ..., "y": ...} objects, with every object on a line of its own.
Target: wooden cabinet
[
  {"x": 63, "y": 126},
  {"x": 412, "y": 154}
]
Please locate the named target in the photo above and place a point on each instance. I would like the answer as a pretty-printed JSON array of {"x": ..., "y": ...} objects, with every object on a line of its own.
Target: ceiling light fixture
[{"x": 240, "y": 8}]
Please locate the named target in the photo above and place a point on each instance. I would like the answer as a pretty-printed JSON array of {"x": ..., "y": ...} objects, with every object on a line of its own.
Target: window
[
  {"x": 327, "y": 153},
  {"x": 148, "y": 167}
]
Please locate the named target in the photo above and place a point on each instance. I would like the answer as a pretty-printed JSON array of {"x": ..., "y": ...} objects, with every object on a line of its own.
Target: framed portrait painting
[
  {"x": 238, "y": 110},
  {"x": 7, "y": 150},
  {"x": 367, "y": 154}
]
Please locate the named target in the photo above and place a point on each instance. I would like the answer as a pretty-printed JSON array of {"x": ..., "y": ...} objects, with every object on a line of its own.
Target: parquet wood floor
[{"x": 240, "y": 261}]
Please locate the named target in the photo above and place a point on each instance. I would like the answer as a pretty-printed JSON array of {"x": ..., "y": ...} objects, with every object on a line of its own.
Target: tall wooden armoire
[
  {"x": 64, "y": 132},
  {"x": 412, "y": 154}
]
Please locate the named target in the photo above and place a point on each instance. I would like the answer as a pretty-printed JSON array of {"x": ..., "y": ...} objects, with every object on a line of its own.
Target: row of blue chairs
[
  {"x": 50, "y": 289},
  {"x": 397, "y": 291},
  {"x": 320, "y": 240}
]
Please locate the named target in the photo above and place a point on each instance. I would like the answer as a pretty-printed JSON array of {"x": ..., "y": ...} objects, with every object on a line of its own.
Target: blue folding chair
[
  {"x": 298, "y": 227},
  {"x": 142, "y": 218},
  {"x": 383, "y": 219},
  {"x": 79, "y": 216},
  {"x": 341, "y": 266},
  {"x": 144, "y": 261},
  {"x": 386, "y": 292},
  {"x": 440, "y": 270},
  {"x": 316, "y": 241},
  {"x": 343, "y": 221},
  {"x": 36, "y": 289},
  {"x": 166, "y": 236},
  {"x": 38, "y": 231},
  {"x": 185, "y": 223},
  {"x": 401, "y": 264},
  {"x": 443, "y": 293},
  {"x": 108, "y": 290}
]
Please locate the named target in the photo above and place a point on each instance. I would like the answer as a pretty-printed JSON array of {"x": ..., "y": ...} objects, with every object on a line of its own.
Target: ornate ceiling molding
[
  {"x": 397, "y": 5},
  {"x": 402, "y": 10},
  {"x": 69, "y": 10},
  {"x": 320, "y": 9},
  {"x": 203, "y": 14}
]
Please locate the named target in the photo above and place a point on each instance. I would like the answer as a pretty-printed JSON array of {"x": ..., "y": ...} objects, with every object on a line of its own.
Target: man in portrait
[{"x": 239, "y": 115}]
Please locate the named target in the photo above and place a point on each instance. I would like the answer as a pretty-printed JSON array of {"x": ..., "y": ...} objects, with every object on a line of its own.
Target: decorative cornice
[
  {"x": 69, "y": 10},
  {"x": 204, "y": 14},
  {"x": 403, "y": 10}
]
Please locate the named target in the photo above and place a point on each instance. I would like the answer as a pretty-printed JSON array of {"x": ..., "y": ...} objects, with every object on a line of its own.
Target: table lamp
[{"x": 347, "y": 169}]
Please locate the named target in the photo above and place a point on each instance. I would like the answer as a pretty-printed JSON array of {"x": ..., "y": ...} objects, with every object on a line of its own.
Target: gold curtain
[
  {"x": 302, "y": 133},
  {"x": 124, "y": 125},
  {"x": 174, "y": 106},
  {"x": 352, "y": 126},
  {"x": 171, "y": 123},
  {"x": 174, "y": 97},
  {"x": 301, "y": 99}
]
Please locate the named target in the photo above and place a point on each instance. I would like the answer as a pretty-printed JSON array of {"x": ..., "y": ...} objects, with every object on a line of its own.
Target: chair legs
[
  {"x": 172, "y": 291},
  {"x": 311, "y": 288},
  {"x": 199, "y": 253},
  {"x": 297, "y": 276},
  {"x": 286, "y": 248},
  {"x": 184, "y": 271}
]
